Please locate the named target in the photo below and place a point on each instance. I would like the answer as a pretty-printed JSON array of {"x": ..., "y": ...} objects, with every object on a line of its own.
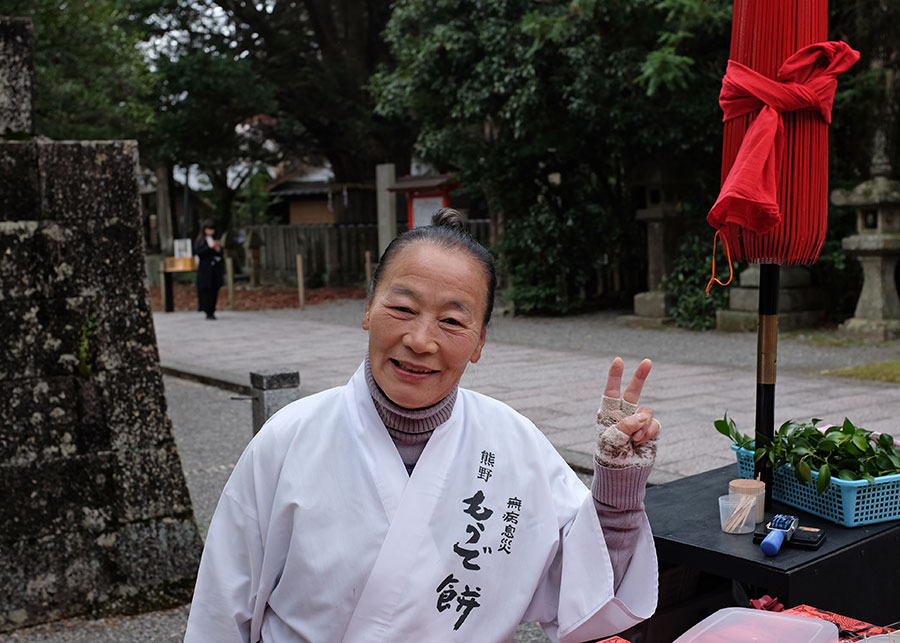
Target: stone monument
[
  {"x": 16, "y": 76},
  {"x": 877, "y": 247},
  {"x": 96, "y": 517},
  {"x": 651, "y": 308},
  {"x": 876, "y": 244}
]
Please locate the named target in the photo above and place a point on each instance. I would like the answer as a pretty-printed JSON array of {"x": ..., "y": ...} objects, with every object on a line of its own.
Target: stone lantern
[
  {"x": 876, "y": 245},
  {"x": 651, "y": 308}
]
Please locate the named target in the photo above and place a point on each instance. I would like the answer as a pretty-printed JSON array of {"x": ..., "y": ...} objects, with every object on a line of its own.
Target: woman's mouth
[{"x": 409, "y": 368}]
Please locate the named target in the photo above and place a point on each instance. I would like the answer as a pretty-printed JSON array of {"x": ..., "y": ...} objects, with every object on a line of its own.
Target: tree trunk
[{"x": 223, "y": 196}]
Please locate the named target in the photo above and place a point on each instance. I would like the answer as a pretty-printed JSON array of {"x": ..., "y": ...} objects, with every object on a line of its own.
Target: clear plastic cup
[
  {"x": 737, "y": 513},
  {"x": 752, "y": 488}
]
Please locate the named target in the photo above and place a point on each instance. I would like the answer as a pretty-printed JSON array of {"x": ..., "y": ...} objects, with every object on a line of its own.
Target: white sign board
[
  {"x": 183, "y": 248},
  {"x": 424, "y": 207}
]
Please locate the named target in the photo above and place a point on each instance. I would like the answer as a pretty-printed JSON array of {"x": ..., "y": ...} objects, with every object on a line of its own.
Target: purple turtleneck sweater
[{"x": 618, "y": 493}]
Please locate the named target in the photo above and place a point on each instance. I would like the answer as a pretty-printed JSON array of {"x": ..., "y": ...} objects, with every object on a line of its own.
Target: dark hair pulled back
[
  {"x": 206, "y": 223},
  {"x": 447, "y": 230}
]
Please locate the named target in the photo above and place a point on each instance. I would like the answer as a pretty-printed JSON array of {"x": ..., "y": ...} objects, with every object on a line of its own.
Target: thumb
[{"x": 633, "y": 423}]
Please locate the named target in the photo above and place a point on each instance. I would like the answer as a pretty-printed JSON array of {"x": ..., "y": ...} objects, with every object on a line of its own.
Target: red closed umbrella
[{"x": 773, "y": 208}]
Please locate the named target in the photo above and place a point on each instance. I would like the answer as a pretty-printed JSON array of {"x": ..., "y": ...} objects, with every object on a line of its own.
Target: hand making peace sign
[{"x": 622, "y": 411}]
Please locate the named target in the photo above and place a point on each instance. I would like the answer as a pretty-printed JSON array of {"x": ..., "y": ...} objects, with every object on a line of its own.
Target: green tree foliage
[
  {"x": 691, "y": 272},
  {"x": 203, "y": 98},
  {"x": 91, "y": 82},
  {"x": 212, "y": 113},
  {"x": 312, "y": 58},
  {"x": 254, "y": 201},
  {"x": 556, "y": 234},
  {"x": 544, "y": 106},
  {"x": 868, "y": 95},
  {"x": 672, "y": 63}
]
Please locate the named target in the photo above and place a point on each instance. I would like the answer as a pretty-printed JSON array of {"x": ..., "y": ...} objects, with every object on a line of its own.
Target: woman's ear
[
  {"x": 476, "y": 355},
  {"x": 365, "y": 322}
]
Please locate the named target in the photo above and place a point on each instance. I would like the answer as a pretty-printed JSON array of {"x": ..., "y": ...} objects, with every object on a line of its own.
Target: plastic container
[
  {"x": 742, "y": 625},
  {"x": 737, "y": 513},
  {"x": 847, "y": 502},
  {"x": 755, "y": 488}
]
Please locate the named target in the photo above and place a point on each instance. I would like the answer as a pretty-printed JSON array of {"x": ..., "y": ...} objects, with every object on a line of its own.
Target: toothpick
[{"x": 739, "y": 515}]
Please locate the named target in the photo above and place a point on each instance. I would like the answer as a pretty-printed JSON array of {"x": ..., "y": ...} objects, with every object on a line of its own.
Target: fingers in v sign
[
  {"x": 635, "y": 386},
  {"x": 640, "y": 424}
]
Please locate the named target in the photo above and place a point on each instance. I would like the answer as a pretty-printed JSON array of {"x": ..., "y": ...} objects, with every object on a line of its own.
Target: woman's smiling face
[{"x": 425, "y": 323}]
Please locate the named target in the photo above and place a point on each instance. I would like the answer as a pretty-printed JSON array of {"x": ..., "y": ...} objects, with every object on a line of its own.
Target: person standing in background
[{"x": 210, "y": 271}]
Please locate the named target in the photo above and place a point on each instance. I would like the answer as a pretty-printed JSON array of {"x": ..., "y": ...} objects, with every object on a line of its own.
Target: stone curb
[
  {"x": 203, "y": 378},
  {"x": 581, "y": 463}
]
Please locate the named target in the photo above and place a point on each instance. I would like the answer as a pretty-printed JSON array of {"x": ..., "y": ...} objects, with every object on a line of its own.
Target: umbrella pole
[{"x": 766, "y": 351}]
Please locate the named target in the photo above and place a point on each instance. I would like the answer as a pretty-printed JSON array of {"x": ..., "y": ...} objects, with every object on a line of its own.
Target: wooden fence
[{"x": 333, "y": 255}]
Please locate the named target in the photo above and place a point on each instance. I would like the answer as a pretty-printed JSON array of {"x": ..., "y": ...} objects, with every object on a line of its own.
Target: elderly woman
[{"x": 401, "y": 507}]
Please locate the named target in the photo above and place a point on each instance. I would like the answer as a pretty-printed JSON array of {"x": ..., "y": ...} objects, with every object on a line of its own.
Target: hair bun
[{"x": 449, "y": 218}]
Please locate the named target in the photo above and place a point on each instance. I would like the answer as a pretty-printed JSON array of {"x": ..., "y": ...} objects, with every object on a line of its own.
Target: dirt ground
[{"x": 260, "y": 298}]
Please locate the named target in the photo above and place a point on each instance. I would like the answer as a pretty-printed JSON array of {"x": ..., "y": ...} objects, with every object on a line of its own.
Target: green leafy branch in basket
[
  {"x": 848, "y": 451},
  {"x": 726, "y": 427}
]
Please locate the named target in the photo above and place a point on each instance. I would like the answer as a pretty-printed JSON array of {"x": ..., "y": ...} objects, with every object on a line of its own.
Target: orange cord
[{"x": 730, "y": 267}]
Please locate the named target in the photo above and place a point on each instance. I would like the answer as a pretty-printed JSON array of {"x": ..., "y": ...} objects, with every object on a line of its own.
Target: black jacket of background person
[{"x": 210, "y": 271}]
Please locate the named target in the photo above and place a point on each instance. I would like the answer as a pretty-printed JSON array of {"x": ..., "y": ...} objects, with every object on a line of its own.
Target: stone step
[
  {"x": 737, "y": 321},
  {"x": 788, "y": 277},
  {"x": 654, "y": 303},
  {"x": 789, "y": 299}
]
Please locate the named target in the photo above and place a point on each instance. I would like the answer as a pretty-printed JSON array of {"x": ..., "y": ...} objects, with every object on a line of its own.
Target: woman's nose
[{"x": 420, "y": 337}]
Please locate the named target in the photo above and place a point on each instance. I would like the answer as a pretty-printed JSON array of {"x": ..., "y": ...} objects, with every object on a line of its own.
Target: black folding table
[{"x": 855, "y": 572}]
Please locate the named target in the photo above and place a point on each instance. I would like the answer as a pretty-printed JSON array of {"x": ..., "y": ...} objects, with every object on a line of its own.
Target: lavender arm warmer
[
  {"x": 621, "y": 470},
  {"x": 619, "y": 500}
]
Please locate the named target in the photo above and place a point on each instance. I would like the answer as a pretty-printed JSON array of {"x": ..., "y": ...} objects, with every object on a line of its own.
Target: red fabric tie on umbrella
[
  {"x": 783, "y": 90},
  {"x": 806, "y": 80}
]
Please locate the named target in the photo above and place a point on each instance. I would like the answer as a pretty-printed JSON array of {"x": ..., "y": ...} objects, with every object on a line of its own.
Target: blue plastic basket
[{"x": 847, "y": 502}]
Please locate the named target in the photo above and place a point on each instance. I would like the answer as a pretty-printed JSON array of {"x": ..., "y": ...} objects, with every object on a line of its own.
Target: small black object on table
[{"x": 852, "y": 573}]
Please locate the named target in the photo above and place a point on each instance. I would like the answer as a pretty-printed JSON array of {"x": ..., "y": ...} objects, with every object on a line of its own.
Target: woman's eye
[
  {"x": 452, "y": 322},
  {"x": 402, "y": 309}
]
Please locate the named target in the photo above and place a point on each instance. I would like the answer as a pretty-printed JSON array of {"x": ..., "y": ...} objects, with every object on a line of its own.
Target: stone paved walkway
[{"x": 553, "y": 371}]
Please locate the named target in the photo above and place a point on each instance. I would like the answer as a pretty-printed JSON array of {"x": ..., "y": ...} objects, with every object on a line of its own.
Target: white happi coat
[{"x": 321, "y": 535}]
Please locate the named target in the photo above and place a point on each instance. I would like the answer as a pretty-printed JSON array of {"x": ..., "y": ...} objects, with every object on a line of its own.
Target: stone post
[
  {"x": 96, "y": 516},
  {"x": 385, "y": 176},
  {"x": 255, "y": 244},
  {"x": 332, "y": 274},
  {"x": 271, "y": 390},
  {"x": 229, "y": 281},
  {"x": 164, "y": 211},
  {"x": 16, "y": 76}
]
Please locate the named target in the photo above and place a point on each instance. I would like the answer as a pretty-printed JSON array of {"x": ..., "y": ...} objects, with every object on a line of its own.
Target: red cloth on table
[
  {"x": 766, "y": 603},
  {"x": 806, "y": 80},
  {"x": 846, "y": 623}
]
